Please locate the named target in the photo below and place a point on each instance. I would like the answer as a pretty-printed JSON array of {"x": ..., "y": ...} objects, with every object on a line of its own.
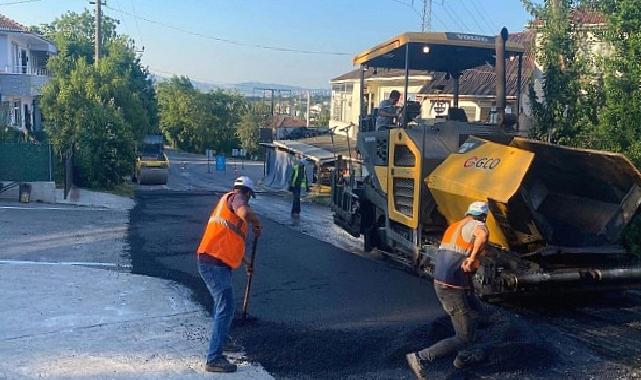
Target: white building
[{"x": 23, "y": 73}]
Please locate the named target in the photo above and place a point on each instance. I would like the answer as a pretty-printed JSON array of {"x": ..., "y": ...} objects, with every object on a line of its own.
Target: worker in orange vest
[
  {"x": 222, "y": 249},
  {"x": 456, "y": 260}
]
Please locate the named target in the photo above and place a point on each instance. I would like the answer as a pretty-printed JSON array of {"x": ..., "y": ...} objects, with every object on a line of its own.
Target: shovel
[{"x": 249, "y": 278}]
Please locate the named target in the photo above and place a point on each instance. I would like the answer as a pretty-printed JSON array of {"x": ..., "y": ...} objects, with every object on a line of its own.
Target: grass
[{"x": 125, "y": 189}]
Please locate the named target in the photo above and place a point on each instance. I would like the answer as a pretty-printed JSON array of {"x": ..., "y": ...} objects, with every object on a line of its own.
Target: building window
[
  {"x": 16, "y": 115},
  {"x": 342, "y": 102}
]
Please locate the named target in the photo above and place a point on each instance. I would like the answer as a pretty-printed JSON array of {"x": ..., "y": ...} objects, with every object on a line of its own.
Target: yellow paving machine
[
  {"x": 152, "y": 165},
  {"x": 556, "y": 213}
]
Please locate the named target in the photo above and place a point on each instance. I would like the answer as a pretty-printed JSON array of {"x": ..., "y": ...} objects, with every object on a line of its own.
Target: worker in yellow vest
[
  {"x": 222, "y": 249},
  {"x": 456, "y": 260}
]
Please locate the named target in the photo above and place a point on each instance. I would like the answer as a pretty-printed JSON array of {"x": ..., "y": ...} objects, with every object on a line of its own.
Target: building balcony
[{"x": 23, "y": 80}]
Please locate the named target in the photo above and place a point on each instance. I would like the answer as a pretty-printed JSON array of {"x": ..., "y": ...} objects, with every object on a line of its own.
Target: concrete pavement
[
  {"x": 72, "y": 309},
  {"x": 68, "y": 321}
]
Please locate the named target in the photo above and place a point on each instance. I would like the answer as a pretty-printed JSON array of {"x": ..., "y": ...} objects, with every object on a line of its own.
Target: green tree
[
  {"x": 102, "y": 110},
  {"x": 620, "y": 118},
  {"x": 193, "y": 121},
  {"x": 176, "y": 98},
  {"x": 77, "y": 115},
  {"x": 256, "y": 116},
  {"x": 556, "y": 115},
  {"x": 323, "y": 118}
]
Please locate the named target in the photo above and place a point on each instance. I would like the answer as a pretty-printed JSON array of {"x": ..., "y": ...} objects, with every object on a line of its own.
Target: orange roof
[
  {"x": 281, "y": 121},
  {"x": 8, "y": 24}
]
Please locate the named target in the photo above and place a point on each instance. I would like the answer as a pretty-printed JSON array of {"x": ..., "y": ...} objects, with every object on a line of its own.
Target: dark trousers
[
  {"x": 459, "y": 305},
  {"x": 296, "y": 200}
]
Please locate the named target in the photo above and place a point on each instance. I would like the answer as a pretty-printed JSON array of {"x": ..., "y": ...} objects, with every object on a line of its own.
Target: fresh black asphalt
[
  {"x": 320, "y": 311},
  {"x": 325, "y": 313}
]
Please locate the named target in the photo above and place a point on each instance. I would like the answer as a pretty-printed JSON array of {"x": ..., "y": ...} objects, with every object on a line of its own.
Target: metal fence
[{"x": 26, "y": 162}]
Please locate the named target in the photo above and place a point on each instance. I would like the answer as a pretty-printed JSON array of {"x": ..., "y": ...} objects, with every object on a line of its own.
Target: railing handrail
[{"x": 42, "y": 71}]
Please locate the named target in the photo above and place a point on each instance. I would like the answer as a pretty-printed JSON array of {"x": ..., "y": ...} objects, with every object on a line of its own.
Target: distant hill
[{"x": 245, "y": 88}]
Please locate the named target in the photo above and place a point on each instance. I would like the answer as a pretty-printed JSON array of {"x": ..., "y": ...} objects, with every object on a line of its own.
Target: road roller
[{"x": 152, "y": 164}]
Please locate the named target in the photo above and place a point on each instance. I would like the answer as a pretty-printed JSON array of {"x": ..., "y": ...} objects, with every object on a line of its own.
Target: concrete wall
[
  {"x": 40, "y": 191},
  {"x": 4, "y": 52},
  {"x": 22, "y": 84}
]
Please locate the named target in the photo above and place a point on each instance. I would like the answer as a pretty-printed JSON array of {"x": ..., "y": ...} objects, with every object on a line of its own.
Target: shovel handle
[{"x": 250, "y": 277}]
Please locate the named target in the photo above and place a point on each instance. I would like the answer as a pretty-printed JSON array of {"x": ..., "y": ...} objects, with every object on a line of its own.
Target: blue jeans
[{"x": 217, "y": 277}]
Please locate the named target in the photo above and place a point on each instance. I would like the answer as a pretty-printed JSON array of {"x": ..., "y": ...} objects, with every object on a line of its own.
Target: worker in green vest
[{"x": 296, "y": 183}]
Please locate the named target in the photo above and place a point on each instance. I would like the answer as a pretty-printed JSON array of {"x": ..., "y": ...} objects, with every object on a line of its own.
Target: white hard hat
[
  {"x": 245, "y": 182},
  {"x": 477, "y": 209}
]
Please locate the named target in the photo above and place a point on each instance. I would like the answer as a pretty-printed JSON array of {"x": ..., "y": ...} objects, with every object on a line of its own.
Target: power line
[
  {"x": 410, "y": 6},
  {"x": 133, "y": 8},
  {"x": 494, "y": 27},
  {"x": 124, "y": 21},
  {"x": 452, "y": 18},
  {"x": 20, "y": 2},
  {"x": 474, "y": 18},
  {"x": 231, "y": 42}
]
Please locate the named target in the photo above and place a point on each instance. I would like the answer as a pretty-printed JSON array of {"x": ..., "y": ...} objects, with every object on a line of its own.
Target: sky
[{"x": 180, "y": 36}]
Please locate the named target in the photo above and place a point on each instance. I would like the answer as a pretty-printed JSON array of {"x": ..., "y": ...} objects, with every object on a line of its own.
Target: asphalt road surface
[{"x": 325, "y": 312}]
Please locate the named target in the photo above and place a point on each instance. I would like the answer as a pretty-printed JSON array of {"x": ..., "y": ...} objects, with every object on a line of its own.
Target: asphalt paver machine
[{"x": 556, "y": 213}]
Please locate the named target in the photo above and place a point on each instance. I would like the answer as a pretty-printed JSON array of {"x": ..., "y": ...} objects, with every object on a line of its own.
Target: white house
[{"x": 23, "y": 73}]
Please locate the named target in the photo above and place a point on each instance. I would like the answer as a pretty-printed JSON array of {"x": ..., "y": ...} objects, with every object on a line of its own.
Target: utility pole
[
  {"x": 98, "y": 29},
  {"x": 271, "y": 90},
  {"x": 307, "y": 115},
  {"x": 426, "y": 16}
]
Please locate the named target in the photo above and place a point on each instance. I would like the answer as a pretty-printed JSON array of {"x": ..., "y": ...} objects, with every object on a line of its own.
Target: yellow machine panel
[
  {"x": 404, "y": 179},
  {"x": 481, "y": 171},
  {"x": 381, "y": 174}
]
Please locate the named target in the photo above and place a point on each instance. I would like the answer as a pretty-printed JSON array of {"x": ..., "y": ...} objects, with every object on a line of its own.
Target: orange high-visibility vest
[
  {"x": 224, "y": 237},
  {"x": 453, "y": 238},
  {"x": 452, "y": 252}
]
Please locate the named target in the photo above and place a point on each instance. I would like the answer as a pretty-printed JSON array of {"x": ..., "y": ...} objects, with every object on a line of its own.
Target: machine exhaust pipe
[
  {"x": 501, "y": 100},
  {"x": 524, "y": 281}
]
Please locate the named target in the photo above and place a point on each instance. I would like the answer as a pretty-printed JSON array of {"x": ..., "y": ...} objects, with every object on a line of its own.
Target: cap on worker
[
  {"x": 477, "y": 209},
  {"x": 244, "y": 181}
]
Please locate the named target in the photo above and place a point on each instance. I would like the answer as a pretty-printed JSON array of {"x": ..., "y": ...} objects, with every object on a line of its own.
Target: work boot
[
  {"x": 468, "y": 358},
  {"x": 220, "y": 365},
  {"x": 415, "y": 363}
]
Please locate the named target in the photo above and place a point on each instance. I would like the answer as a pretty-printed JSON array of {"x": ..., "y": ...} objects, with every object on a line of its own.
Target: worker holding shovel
[{"x": 221, "y": 250}]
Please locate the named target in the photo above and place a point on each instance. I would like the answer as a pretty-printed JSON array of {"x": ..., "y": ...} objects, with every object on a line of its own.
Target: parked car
[{"x": 301, "y": 133}]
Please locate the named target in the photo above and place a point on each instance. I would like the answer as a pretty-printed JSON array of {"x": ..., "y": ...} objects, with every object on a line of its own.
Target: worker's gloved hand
[
  {"x": 257, "y": 230},
  {"x": 249, "y": 269}
]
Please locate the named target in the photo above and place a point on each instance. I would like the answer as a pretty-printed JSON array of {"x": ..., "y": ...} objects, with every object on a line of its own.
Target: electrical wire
[
  {"x": 454, "y": 20},
  {"x": 472, "y": 16},
  {"x": 410, "y": 6},
  {"x": 133, "y": 8},
  {"x": 20, "y": 2},
  {"x": 125, "y": 24},
  {"x": 483, "y": 15},
  {"x": 229, "y": 41}
]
